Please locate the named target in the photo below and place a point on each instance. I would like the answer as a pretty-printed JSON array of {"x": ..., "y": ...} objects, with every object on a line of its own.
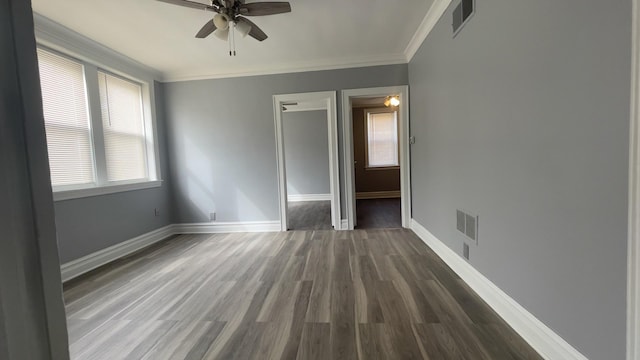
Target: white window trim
[
  {"x": 104, "y": 190},
  {"x": 149, "y": 134},
  {"x": 84, "y": 52},
  {"x": 366, "y": 138}
]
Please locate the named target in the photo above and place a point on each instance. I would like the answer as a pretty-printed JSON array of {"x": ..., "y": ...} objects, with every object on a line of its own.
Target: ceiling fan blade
[
  {"x": 189, "y": 4},
  {"x": 206, "y": 30},
  {"x": 265, "y": 8},
  {"x": 255, "y": 32}
]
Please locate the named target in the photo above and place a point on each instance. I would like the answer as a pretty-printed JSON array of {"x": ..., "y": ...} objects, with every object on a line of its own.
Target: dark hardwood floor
[
  {"x": 378, "y": 213},
  {"x": 310, "y": 215},
  {"x": 364, "y": 294}
]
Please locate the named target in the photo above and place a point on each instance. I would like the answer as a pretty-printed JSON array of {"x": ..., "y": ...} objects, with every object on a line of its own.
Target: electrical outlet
[
  {"x": 212, "y": 216},
  {"x": 156, "y": 212},
  {"x": 465, "y": 250}
]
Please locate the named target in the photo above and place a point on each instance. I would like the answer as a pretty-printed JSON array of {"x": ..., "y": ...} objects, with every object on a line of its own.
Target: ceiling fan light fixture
[
  {"x": 228, "y": 16},
  {"x": 243, "y": 28},
  {"x": 221, "y": 21},
  {"x": 222, "y": 34}
]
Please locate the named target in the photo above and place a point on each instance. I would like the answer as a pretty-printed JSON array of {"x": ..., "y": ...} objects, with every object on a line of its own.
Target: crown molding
[
  {"x": 286, "y": 68},
  {"x": 58, "y": 37},
  {"x": 436, "y": 11}
]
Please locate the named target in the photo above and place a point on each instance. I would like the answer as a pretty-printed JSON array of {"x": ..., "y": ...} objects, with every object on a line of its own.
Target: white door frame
[
  {"x": 633, "y": 256},
  {"x": 329, "y": 97},
  {"x": 405, "y": 169}
]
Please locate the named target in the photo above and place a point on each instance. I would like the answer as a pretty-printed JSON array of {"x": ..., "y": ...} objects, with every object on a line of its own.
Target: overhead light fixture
[
  {"x": 221, "y": 22},
  {"x": 391, "y": 101},
  {"x": 225, "y": 30},
  {"x": 243, "y": 28},
  {"x": 222, "y": 34}
]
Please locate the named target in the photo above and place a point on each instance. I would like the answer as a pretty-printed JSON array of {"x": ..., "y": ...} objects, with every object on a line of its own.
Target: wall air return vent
[
  {"x": 468, "y": 225},
  {"x": 460, "y": 219},
  {"x": 461, "y": 14}
]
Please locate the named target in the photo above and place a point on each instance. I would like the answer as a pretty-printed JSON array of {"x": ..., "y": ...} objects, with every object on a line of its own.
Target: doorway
[
  {"x": 307, "y": 123},
  {"x": 377, "y": 177},
  {"x": 306, "y": 150}
]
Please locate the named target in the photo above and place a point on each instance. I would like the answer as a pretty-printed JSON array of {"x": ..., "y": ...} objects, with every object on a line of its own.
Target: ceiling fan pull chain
[
  {"x": 234, "y": 12},
  {"x": 233, "y": 37},
  {"x": 229, "y": 39}
]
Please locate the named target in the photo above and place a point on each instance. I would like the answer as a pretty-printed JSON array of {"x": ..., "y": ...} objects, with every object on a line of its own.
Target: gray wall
[
  {"x": 222, "y": 138},
  {"x": 523, "y": 119},
  {"x": 306, "y": 150},
  {"x": 4, "y": 347},
  {"x": 32, "y": 317},
  {"x": 87, "y": 225}
]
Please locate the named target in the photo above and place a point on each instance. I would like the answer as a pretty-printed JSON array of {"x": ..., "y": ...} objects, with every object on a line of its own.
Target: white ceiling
[{"x": 315, "y": 35}]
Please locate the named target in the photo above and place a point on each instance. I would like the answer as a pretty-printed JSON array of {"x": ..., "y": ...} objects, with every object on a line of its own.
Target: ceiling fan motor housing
[{"x": 234, "y": 12}]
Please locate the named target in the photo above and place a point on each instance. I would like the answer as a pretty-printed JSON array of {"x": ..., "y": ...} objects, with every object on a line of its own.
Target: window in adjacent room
[
  {"x": 382, "y": 139},
  {"x": 98, "y": 125}
]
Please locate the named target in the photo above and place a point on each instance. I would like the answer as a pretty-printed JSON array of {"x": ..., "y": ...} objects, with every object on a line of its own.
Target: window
[
  {"x": 382, "y": 139},
  {"x": 66, "y": 120},
  {"x": 123, "y": 126},
  {"x": 99, "y": 131}
]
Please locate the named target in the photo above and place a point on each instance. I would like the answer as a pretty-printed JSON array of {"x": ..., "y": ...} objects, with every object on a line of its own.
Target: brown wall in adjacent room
[{"x": 369, "y": 180}]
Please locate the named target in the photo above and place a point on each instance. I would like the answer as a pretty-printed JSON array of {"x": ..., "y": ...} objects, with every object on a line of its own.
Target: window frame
[
  {"x": 381, "y": 110},
  {"x": 101, "y": 184},
  {"x": 146, "y": 130},
  {"x": 62, "y": 188}
]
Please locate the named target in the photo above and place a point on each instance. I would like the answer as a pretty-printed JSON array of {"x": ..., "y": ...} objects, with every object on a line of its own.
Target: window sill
[
  {"x": 104, "y": 190},
  {"x": 383, "y": 168}
]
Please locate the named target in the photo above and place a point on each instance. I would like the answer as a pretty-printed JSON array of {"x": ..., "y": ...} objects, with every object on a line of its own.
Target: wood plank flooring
[
  {"x": 310, "y": 215},
  {"x": 378, "y": 213},
  {"x": 364, "y": 294}
]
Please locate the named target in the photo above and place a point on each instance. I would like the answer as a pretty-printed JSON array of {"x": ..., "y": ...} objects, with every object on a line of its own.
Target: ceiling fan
[{"x": 230, "y": 16}]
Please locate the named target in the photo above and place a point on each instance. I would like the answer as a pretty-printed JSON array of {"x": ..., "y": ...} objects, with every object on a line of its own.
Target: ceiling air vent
[{"x": 461, "y": 14}]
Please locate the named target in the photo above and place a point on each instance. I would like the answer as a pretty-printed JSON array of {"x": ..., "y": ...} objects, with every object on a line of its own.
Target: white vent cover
[
  {"x": 461, "y": 14},
  {"x": 467, "y": 224}
]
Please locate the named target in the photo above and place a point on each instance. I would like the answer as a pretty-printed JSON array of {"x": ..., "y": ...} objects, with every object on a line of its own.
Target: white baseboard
[
  {"x": 308, "y": 197},
  {"x": 227, "y": 227},
  {"x": 544, "y": 340},
  {"x": 92, "y": 261},
  {"x": 87, "y": 263},
  {"x": 378, "y": 195},
  {"x": 344, "y": 224}
]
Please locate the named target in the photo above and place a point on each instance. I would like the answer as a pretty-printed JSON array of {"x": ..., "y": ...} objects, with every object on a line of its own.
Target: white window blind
[
  {"x": 66, "y": 118},
  {"x": 382, "y": 139},
  {"x": 123, "y": 126}
]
